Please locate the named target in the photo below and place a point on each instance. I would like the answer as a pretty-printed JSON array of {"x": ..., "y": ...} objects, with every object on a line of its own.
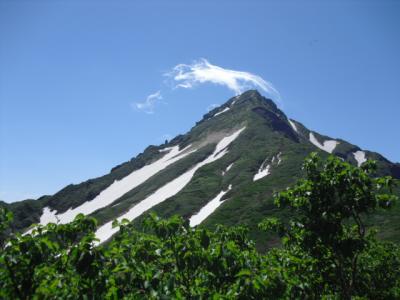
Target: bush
[{"x": 328, "y": 253}]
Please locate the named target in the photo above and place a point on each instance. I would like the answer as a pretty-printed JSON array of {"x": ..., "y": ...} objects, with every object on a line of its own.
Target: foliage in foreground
[{"x": 327, "y": 251}]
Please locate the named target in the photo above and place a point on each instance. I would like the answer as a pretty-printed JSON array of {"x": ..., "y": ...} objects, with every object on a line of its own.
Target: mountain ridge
[{"x": 269, "y": 134}]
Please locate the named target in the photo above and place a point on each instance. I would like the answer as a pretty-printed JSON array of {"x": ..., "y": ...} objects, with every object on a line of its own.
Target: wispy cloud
[
  {"x": 202, "y": 71},
  {"x": 148, "y": 105}
]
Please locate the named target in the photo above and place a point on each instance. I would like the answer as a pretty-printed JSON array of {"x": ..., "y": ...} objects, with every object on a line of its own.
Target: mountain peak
[
  {"x": 254, "y": 97},
  {"x": 248, "y": 100},
  {"x": 250, "y": 93}
]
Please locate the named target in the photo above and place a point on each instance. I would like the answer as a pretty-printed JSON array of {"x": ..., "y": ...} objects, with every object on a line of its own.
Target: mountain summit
[{"x": 225, "y": 170}]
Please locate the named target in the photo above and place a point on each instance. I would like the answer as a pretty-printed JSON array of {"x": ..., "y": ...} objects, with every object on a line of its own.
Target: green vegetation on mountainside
[{"x": 267, "y": 133}]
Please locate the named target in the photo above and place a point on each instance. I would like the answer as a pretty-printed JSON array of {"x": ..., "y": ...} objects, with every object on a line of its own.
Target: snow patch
[
  {"x": 227, "y": 169},
  {"x": 221, "y": 112},
  {"x": 234, "y": 101},
  {"x": 293, "y": 125},
  {"x": 262, "y": 172},
  {"x": 265, "y": 169},
  {"x": 328, "y": 146},
  {"x": 48, "y": 216},
  {"x": 360, "y": 157},
  {"x": 208, "y": 209},
  {"x": 279, "y": 158},
  {"x": 119, "y": 187},
  {"x": 170, "y": 189},
  {"x": 165, "y": 149}
]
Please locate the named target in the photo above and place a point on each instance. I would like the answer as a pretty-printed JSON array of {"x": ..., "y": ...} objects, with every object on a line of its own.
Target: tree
[
  {"x": 327, "y": 233},
  {"x": 171, "y": 261},
  {"x": 54, "y": 261},
  {"x": 6, "y": 218}
]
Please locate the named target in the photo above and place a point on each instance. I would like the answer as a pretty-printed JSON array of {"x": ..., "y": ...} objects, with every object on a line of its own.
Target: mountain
[{"x": 225, "y": 170}]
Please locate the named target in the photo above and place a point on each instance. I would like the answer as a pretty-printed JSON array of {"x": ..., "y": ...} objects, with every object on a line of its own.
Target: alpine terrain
[{"x": 225, "y": 170}]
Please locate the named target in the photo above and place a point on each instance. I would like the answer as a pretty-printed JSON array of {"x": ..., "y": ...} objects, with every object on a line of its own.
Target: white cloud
[
  {"x": 148, "y": 105},
  {"x": 202, "y": 71},
  {"x": 188, "y": 76}
]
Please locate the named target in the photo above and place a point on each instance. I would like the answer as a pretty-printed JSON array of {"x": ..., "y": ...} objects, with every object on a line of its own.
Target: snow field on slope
[
  {"x": 266, "y": 170},
  {"x": 227, "y": 169},
  {"x": 48, "y": 216},
  {"x": 360, "y": 157},
  {"x": 118, "y": 188},
  {"x": 262, "y": 172},
  {"x": 293, "y": 125},
  {"x": 221, "y": 112},
  {"x": 170, "y": 189},
  {"x": 328, "y": 146},
  {"x": 208, "y": 209},
  {"x": 234, "y": 101},
  {"x": 277, "y": 157}
]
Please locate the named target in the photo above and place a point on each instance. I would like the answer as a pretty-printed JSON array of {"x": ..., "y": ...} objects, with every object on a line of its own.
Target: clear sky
[{"x": 73, "y": 72}]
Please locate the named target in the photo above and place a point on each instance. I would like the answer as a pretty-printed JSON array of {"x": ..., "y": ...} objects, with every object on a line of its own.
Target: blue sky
[{"x": 72, "y": 72}]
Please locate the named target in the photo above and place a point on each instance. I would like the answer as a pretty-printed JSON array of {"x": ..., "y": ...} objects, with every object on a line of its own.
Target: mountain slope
[{"x": 227, "y": 167}]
